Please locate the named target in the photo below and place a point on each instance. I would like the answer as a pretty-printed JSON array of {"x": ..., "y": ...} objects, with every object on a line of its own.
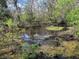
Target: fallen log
[
  {"x": 70, "y": 30},
  {"x": 11, "y": 49},
  {"x": 7, "y": 50}
]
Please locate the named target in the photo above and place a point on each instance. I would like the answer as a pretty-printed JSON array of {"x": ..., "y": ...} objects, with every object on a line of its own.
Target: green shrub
[
  {"x": 29, "y": 51},
  {"x": 9, "y": 22},
  {"x": 73, "y": 19}
]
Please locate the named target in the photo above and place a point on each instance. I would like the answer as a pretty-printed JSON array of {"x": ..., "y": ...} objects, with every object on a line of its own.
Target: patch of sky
[
  {"x": 42, "y": 3},
  {"x": 22, "y": 3}
]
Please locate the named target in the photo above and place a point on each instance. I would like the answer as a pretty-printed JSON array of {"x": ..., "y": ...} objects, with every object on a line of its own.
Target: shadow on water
[{"x": 41, "y": 55}]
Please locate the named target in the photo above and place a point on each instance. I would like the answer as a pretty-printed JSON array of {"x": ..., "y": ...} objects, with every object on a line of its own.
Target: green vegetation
[
  {"x": 9, "y": 22},
  {"x": 54, "y": 28},
  {"x": 45, "y": 22},
  {"x": 68, "y": 49},
  {"x": 73, "y": 19},
  {"x": 29, "y": 51}
]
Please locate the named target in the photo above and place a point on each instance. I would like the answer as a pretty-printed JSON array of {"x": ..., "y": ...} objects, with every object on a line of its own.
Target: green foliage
[
  {"x": 61, "y": 8},
  {"x": 73, "y": 19},
  {"x": 55, "y": 28},
  {"x": 3, "y": 3},
  {"x": 9, "y": 22},
  {"x": 67, "y": 49},
  {"x": 2, "y": 12},
  {"x": 29, "y": 51},
  {"x": 24, "y": 17},
  {"x": 62, "y": 3}
]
